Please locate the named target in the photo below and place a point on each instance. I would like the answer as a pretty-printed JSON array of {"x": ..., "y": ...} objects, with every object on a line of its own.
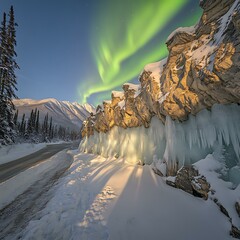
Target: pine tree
[
  {"x": 12, "y": 64},
  {"x": 34, "y": 120},
  {"x": 37, "y": 123},
  {"x": 3, "y": 56},
  {"x": 4, "y": 138},
  {"x": 50, "y": 129},
  {"x": 55, "y": 132},
  {"x": 8, "y": 82},
  {"x": 45, "y": 128},
  {"x": 15, "y": 118},
  {"x": 22, "y": 125},
  {"x": 30, "y": 125}
]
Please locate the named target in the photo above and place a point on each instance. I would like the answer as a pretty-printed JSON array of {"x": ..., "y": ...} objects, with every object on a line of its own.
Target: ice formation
[{"x": 175, "y": 142}]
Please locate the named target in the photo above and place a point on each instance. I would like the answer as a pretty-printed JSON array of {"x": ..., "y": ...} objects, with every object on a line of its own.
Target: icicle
[{"x": 174, "y": 142}]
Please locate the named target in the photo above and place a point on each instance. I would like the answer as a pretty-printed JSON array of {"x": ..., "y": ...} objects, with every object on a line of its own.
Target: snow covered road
[
  {"x": 13, "y": 168},
  {"x": 28, "y": 193},
  {"x": 100, "y": 199}
]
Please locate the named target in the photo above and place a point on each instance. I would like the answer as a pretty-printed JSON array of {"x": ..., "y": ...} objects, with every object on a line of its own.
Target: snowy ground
[
  {"x": 13, "y": 152},
  {"x": 102, "y": 198},
  {"x": 226, "y": 193},
  {"x": 22, "y": 196},
  {"x": 15, "y": 186}
]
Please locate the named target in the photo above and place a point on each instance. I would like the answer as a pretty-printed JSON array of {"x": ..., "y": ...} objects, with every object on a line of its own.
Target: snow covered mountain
[{"x": 64, "y": 113}]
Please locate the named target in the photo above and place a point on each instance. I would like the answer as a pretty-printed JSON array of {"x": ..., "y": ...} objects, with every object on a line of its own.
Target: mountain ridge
[{"x": 64, "y": 113}]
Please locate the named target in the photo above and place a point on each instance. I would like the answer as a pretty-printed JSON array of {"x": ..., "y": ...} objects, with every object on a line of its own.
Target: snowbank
[
  {"x": 18, "y": 184},
  {"x": 13, "y": 152},
  {"x": 105, "y": 199},
  {"x": 227, "y": 195}
]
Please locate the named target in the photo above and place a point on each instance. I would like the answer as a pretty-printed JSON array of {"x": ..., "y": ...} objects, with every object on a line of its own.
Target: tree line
[{"x": 31, "y": 130}]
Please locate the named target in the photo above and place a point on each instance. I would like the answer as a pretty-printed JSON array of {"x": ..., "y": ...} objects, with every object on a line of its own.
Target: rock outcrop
[
  {"x": 189, "y": 180},
  {"x": 202, "y": 69}
]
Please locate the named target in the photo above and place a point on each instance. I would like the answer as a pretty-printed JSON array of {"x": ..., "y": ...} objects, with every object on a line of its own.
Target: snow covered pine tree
[{"x": 8, "y": 81}]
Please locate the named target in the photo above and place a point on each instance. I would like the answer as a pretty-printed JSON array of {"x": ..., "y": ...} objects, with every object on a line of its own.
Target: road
[
  {"x": 13, "y": 168},
  {"x": 16, "y": 215}
]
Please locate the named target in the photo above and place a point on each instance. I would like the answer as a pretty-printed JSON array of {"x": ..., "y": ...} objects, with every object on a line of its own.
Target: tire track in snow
[{"x": 15, "y": 216}]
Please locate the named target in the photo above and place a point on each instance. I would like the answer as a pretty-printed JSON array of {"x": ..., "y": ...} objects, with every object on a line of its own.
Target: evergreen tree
[
  {"x": 3, "y": 56},
  {"x": 45, "y": 128},
  {"x": 55, "y": 132},
  {"x": 12, "y": 64},
  {"x": 37, "y": 123},
  {"x": 4, "y": 138},
  {"x": 50, "y": 129},
  {"x": 30, "y": 125},
  {"x": 22, "y": 125},
  {"x": 15, "y": 118},
  {"x": 34, "y": 120},
  {"x": 8, "y": 82}
]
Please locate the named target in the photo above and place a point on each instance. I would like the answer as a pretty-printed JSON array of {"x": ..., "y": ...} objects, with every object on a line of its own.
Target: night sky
[{"x": 80, "y": 51}]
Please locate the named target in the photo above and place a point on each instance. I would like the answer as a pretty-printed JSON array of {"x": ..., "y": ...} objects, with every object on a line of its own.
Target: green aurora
[{"x": 124, "y": 41}]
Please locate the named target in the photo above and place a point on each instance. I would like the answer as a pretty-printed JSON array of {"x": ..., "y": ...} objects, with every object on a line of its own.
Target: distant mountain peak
[{"x": 64, "y": 113}]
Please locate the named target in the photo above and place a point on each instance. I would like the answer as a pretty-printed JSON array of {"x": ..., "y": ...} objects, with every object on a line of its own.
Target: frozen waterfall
[{"x": 175, "y": 142}]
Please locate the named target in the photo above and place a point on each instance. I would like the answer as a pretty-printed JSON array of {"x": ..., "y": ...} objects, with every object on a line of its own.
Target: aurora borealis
[
  {"x": 81, "y": 50},
  {"x": 125, "y": 36}
]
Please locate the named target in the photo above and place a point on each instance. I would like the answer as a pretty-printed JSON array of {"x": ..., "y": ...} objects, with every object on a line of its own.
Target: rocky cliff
[{"x": 202, "y": 69}]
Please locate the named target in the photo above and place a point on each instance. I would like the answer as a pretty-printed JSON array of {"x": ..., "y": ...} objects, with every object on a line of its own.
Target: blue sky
[{"x": 55, "y": 44}]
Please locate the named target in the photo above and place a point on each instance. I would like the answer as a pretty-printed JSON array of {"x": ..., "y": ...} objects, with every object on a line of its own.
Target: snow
[
  {"x": 121, "y": 104},
  {"x": 18, "y": 184},
  {"x": 118, "y": 94},
  {"x": 205, "y": 54},
  {"x": 162, "y": 98},
  {"x": 234, "y": 175},
  {"x": 210, "y": 167},
  {"x": 183, "y": 142},
  {"x": 132, "y": 86},
  {"x": 224, "y": 22},
  {"x": 102, "y": 198},
  {"x": 188, "y": 30},
  {"x": 156, "y": 68},
  {"x": 12, "y": 152},
  {"x": 135, "y": 87}
]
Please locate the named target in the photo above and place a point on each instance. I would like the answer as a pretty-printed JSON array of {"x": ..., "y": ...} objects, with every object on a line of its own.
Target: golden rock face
[{"x": 203, "y": 68}]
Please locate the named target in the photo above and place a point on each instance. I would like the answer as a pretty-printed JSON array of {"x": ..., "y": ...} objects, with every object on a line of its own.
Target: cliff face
[{"x": 202, "y": 69}]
